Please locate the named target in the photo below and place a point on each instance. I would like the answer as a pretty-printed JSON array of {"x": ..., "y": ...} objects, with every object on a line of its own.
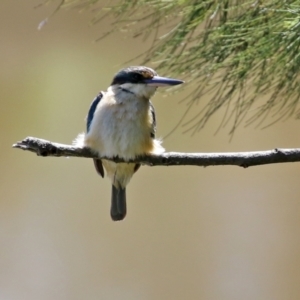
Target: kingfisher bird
[{"x": 121, "y": 123}]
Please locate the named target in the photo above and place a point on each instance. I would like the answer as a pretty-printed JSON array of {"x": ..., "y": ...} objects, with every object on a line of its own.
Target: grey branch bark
[{"x": 242, "y": 159}]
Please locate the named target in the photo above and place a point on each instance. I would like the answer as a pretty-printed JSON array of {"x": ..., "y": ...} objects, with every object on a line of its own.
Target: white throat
[{"x": 140, "y": 90}]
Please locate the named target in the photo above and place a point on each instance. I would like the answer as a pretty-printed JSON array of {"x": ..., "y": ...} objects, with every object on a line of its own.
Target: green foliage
[{"x": 234, "y": 51}]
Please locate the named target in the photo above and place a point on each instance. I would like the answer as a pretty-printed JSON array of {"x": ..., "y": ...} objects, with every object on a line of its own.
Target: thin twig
[{"x": 242, "y": 159}]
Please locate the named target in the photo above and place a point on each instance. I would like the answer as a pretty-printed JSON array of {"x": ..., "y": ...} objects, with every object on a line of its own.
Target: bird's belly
[
  {"x": 120, "y": 133},
  {"x": 119, "y": 173}
]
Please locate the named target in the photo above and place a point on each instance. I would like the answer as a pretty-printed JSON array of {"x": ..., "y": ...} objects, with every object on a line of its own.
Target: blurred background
[{"x": 190, "y": 233}]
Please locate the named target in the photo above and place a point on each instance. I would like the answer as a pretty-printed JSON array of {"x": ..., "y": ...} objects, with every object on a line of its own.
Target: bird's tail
[{"x": 118, "y": 203}]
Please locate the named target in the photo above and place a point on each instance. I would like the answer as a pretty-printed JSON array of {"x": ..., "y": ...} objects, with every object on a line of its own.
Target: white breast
[{"x": 122, "y": 127}]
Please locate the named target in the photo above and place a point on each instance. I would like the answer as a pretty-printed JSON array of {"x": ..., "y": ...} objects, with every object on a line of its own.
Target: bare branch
[{"x": 242, "y": 159}]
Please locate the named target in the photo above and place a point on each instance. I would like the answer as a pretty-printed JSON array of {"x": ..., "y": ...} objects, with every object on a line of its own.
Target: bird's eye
[{"x": 136, "y": 77}]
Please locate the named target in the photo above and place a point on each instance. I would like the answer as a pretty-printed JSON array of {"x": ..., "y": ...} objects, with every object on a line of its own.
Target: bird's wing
[
  {"x": 92, "y": 110},
  {"x": 89, "y": 119},
  {"x": 153, "y": 127}
]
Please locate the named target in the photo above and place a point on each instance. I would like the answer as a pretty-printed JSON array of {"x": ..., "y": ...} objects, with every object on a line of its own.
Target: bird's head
[{"x": 141, "y": 81}]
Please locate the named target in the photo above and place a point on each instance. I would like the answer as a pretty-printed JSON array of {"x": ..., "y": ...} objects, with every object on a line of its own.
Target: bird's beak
[{"x": 162, "y": 81}]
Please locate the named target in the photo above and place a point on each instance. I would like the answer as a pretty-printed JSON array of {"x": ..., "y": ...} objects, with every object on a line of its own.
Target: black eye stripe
[
  {"x": 133, "y": 75},
  {"x": 136, "y": 76}
]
